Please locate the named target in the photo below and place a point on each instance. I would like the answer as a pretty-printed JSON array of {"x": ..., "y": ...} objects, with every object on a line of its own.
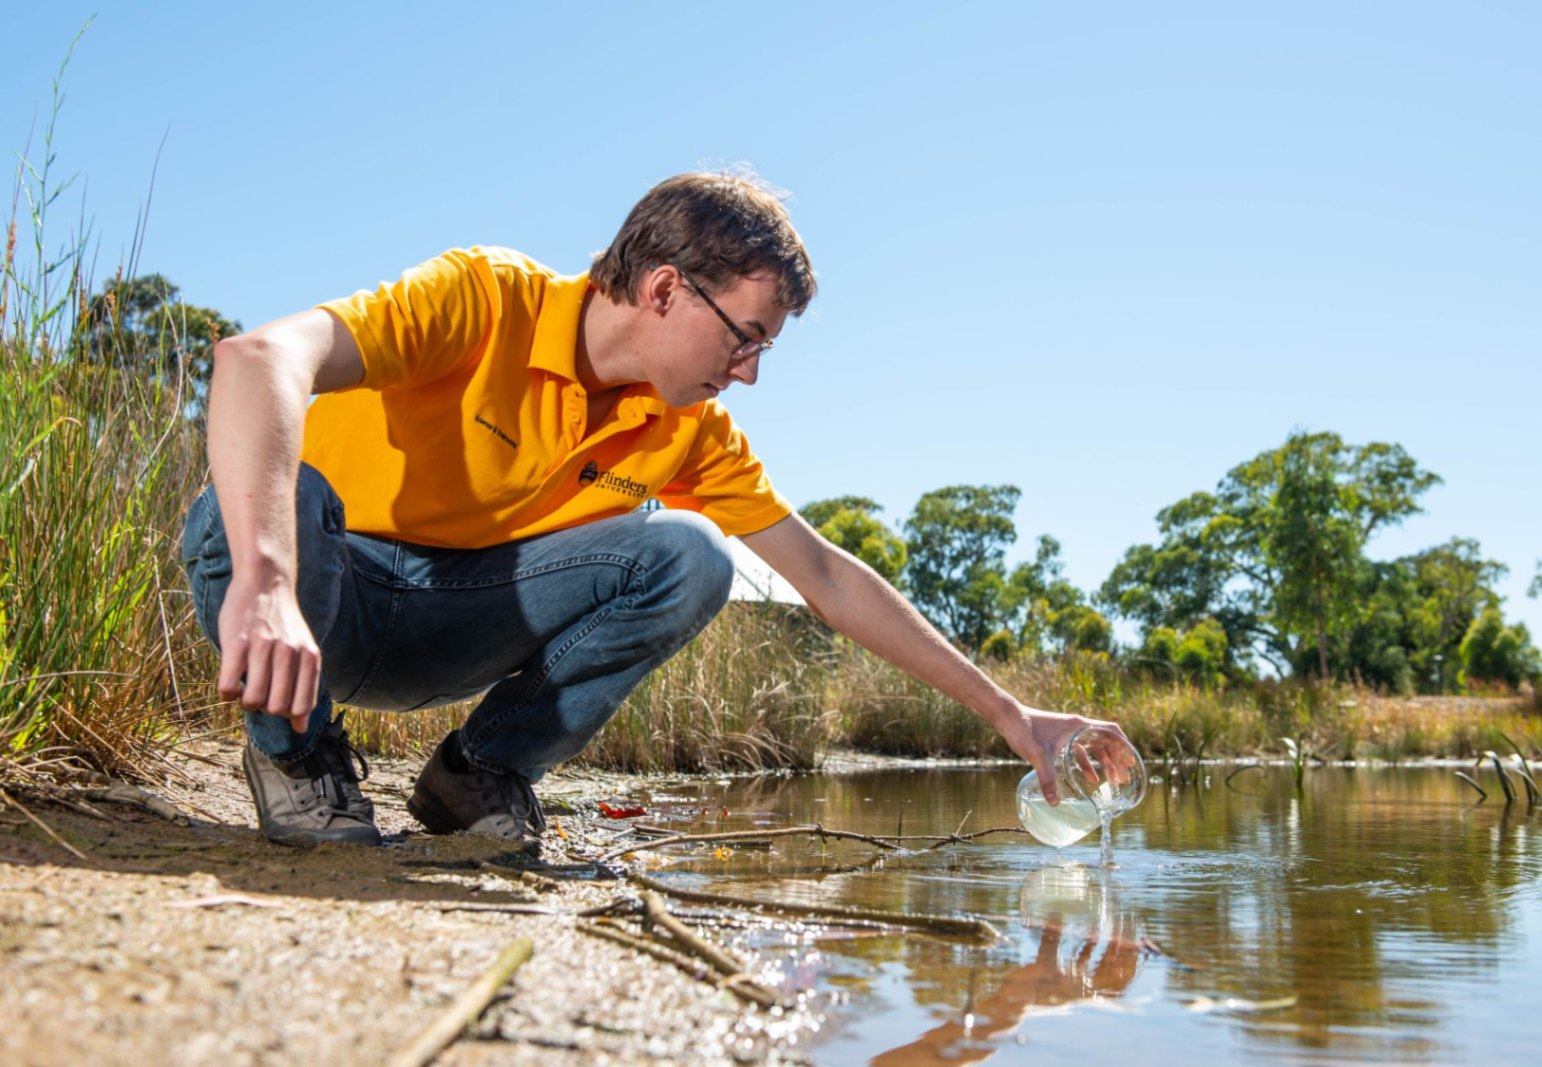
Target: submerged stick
[
  {"x": 464, "y": 1011},
  {"x": 977, "y": 929}
]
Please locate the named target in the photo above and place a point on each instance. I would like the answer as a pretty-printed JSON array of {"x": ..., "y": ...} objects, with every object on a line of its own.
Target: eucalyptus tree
[
  {"x": 852, "y": 523},
  {"x": 1273, "y": 556}
]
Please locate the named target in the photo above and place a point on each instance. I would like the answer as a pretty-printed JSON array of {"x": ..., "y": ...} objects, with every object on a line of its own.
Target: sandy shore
[{"x": 206, "y": 944}]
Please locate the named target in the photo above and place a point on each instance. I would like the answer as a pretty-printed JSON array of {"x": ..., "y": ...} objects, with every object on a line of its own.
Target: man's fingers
[
  {"x": 258, "y": 670},
  {"x": 281, "y": 682},
  {"x": 232, "y": 667},
  {"x": 1047, "y": 780},
  {"x": 306, "y": 682}
]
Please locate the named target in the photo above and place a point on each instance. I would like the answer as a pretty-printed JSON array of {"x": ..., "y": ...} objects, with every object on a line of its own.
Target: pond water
[{"x": 1378, "y": 916}]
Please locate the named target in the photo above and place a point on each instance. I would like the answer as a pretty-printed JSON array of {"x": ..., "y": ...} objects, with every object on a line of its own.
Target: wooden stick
[
  {"x": 71, "y": 849},
  {"x": 463, "y": 1012},
  {"x": 693, "y": 967},
  {"x": 659, "y": 915},
  {"x": 977, "y": 929},
  {"x": 813, "y": 830},
  {"x": 734, "y": 975},
  {"x": 135, "y": 797},
  {"x": 889, "y": 842}
]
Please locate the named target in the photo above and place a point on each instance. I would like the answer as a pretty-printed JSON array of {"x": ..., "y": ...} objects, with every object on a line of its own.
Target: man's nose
[{"x": 745, "y": 370}]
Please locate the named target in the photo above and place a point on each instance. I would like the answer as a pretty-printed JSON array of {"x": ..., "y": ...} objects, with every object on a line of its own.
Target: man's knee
[{"x": 694, "y": 552}]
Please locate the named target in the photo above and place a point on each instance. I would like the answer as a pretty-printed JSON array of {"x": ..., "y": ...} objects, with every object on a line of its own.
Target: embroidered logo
[
  {"x": 499, "y": 434},
  {"x": 616, "y": 483}
]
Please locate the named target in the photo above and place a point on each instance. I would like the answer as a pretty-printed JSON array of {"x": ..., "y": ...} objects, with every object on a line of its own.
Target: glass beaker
[{"x": 1100, "y": 776}]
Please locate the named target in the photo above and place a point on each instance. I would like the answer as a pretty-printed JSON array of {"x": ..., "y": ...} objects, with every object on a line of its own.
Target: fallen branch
[
  {"x": 464, "y": 1011},
  {"x": 813, "y": 830},
  {"x": 947, "y": 925},
  {"x": 693, "y": 967},
  {"x": 719, "y": 959},
  {"x": 134, "y": 797},
  {"x": 960, "y": 839}
]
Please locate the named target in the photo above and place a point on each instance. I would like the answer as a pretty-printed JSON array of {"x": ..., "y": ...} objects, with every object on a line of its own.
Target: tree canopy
[
  {"x": 1269, "y": 566},
  {"x": 142, "y": 324}
]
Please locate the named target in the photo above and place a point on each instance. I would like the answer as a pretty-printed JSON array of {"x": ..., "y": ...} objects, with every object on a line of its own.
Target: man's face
[{"x": 693, "y": 358}]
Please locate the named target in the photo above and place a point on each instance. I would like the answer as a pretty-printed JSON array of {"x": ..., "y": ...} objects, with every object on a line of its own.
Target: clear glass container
[{"x": 1100, "y": 777}]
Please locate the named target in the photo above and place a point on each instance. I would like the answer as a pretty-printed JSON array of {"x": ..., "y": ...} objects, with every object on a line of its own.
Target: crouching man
[{"x": 457, "y": 513}]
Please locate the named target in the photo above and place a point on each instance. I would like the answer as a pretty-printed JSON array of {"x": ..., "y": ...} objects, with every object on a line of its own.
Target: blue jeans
[{"x": 553, "y": 631}]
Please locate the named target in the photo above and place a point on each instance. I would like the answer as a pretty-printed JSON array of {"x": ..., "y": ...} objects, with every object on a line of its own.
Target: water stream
[{"x": 1379, "y": 915}]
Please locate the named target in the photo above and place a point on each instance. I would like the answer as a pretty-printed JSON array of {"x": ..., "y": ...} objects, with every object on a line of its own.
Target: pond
[{"x": 1378, "y": 916}]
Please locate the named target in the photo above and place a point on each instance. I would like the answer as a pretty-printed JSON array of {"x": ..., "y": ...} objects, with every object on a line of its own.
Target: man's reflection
[{"x": 1086, "y": 950}]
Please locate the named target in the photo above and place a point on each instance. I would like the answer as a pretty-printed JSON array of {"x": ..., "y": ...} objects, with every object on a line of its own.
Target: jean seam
[{"x": 390, "y": 628}]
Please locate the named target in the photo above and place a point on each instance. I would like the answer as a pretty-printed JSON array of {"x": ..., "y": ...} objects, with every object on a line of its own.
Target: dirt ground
[{"x": 204, "y": 943}]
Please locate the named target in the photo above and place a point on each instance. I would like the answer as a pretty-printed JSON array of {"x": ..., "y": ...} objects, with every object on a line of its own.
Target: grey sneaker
[
  {"x": 502, "y": 805},
  {"x": 315, "y": 799}
]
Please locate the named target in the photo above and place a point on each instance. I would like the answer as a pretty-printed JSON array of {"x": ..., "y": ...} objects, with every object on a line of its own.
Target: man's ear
[{"x": 658, "y": 288}]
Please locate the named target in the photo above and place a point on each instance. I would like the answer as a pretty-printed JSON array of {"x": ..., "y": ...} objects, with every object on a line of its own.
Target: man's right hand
[{"x": 268, "y": 657}]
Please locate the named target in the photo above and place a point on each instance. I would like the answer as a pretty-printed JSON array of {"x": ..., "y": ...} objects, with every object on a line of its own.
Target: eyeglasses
[{"x": 747, "y": 345}]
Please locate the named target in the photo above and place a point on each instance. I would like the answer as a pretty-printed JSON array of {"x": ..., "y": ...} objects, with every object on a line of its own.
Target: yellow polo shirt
[{"x": 469, "y": 427}]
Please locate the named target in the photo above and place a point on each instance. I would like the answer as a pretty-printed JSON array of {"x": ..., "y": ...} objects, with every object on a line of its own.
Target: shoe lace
[
  {"x": 338, "y": 757},
  {"x": 518, "y": 799}
]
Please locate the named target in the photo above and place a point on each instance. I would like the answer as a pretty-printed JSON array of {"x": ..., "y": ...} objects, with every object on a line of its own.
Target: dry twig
[
  {"x": 464, "y": 1011},
  {"x": 812, "y": 830},
  {"x": 134, "y": 797}
]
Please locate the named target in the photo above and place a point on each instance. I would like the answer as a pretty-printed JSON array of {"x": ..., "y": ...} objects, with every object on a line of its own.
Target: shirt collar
[
  {"x": 555, "y": 343},
  {"x": 554, "y": 347}
]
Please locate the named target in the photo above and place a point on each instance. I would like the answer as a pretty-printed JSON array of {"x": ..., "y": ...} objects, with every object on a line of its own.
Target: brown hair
[{"x": 715, "y": 226}]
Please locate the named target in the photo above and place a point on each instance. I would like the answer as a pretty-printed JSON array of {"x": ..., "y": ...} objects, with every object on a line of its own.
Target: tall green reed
[{"x": 96, "y": 465}]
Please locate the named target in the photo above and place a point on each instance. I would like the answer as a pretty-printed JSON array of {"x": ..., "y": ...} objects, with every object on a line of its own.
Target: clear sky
[{"x": 1101, "y": 251}]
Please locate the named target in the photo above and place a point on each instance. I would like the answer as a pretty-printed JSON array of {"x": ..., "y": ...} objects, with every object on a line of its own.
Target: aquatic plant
[{"x": 1298, "y": 757}]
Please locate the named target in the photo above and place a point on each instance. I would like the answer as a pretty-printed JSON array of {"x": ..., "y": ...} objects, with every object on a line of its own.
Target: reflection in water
[
  {"x": 1083, "y": 950},
  {"x": 1378, "y": 915}
]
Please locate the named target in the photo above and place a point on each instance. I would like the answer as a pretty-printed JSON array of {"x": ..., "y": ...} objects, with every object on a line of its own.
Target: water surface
[{"x": 1379, "y": 916}]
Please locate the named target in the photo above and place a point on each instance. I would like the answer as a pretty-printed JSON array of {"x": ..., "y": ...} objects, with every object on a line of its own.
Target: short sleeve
[
  {"x": 422, "y": 327},
  {"x": 723, "y": 480}
]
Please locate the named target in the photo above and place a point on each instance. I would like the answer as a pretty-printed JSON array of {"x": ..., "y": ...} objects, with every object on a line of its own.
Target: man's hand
[
  {"x": 847, "y": 595},
  {"x": 1040, "y": 736},
  {"x": 268, "y": 658}
]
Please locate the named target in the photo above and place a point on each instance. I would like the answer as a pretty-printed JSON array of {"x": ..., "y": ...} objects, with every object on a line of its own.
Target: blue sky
[{"x": 1101, "y": 251}]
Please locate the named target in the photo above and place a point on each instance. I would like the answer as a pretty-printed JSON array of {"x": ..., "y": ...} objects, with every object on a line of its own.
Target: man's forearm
[
  {"x": 256, "y": 419},
  {"x": 872, "y": 613}
]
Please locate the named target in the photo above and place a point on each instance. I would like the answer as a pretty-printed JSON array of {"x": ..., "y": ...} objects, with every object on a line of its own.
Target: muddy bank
[{"x": 204, "y": 943}]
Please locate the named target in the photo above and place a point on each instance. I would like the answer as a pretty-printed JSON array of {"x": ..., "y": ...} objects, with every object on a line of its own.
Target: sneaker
[
  {"x": 452, "y": 796},
  {"x": 315, "y": 799}
]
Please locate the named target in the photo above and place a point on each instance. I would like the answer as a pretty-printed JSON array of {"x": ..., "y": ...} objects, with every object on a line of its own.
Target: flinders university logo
[{"x": 616, "y": 483}]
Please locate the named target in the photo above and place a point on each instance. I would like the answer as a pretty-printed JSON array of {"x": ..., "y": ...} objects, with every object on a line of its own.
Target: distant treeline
[{"x": 1267, "y": 571}]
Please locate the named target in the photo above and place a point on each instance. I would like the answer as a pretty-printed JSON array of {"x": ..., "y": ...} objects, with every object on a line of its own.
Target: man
[{"x": 456, "y": 514}]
